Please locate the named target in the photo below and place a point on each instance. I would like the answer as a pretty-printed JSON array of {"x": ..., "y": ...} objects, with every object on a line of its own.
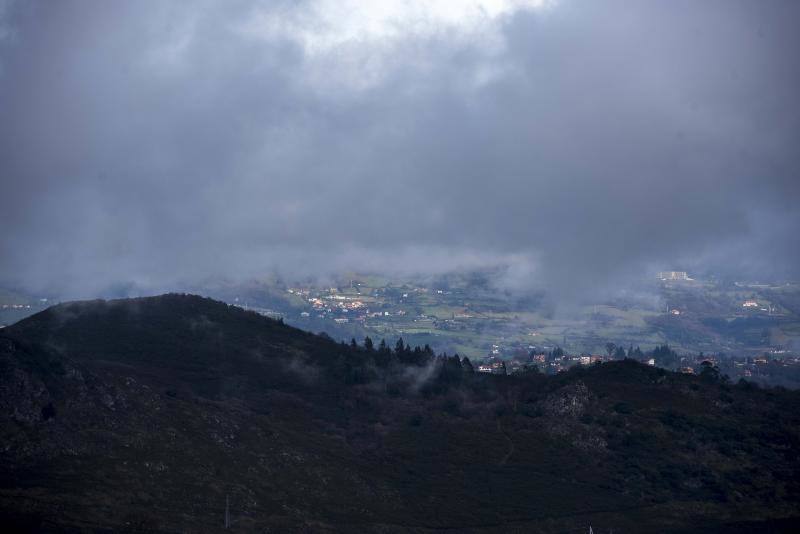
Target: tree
[
  {"x": 368, "y": 344},
  {"x": 610, "y": 347},
  {"x": 555, "y": 354},
  {"x": 414, "y": 357},
  {"x": 450, "y": 369},
  {"x": 467, "y": 365},
  {"x": 709, "y": 372},
  {"x": 400, "y": 347},
  {"x": 665, "y": 357}
]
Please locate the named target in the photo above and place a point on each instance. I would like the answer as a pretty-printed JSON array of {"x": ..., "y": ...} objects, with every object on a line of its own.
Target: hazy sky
[{"x": 579, "y": 142}]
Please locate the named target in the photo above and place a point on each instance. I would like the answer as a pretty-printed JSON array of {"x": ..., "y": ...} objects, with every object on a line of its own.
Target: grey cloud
[{"x": 157, "y": 143}]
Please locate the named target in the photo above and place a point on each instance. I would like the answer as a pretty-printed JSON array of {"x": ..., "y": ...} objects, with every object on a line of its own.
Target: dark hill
[
  {"x": 144, "y": 414},
  {"x": 184, "y": 341}
]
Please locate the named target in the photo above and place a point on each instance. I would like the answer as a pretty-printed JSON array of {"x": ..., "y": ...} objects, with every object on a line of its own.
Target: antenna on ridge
[{"x": 228, "y": 513}]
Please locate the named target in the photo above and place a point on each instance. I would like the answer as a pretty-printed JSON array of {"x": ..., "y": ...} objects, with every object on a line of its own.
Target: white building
[{"x": 673, "y": 275}]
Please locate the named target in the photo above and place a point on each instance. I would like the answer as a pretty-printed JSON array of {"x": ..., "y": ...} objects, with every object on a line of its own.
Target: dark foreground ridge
[{"x": 148, "y": 414}]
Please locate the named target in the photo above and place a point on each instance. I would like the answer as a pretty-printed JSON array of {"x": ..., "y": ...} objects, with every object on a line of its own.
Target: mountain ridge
[{"x": 145, "y": 414}]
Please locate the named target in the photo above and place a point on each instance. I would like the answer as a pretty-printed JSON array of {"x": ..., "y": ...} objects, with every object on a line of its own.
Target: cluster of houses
[
  {"x": 340, "y": 308},
  {"x": 735, "y": 367},
  {"x": 751, "y": 366},
  {"x": 330, "y": 303},
  {"x": 543, "y": 362},
  {"x": 335, "y": 301},
  {"x": 551, "y": 363}
]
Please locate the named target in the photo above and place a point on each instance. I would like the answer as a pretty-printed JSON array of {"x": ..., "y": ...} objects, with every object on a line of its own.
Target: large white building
[{"x": 673, "y": 275}]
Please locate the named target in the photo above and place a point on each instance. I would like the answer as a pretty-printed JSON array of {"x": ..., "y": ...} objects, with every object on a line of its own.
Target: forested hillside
[{"x": 149, "y": 414}]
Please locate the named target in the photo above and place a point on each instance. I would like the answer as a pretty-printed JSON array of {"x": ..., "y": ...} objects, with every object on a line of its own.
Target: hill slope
[{"x": 145, "y": 414}]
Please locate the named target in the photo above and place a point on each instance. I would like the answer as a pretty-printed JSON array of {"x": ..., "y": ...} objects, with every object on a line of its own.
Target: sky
[{"x": 578, "y": 144}]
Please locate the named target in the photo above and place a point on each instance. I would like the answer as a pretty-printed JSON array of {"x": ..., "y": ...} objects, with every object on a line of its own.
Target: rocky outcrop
[
  {"x": 564, "y": 409},
  {"x": 568, "y": 402}
]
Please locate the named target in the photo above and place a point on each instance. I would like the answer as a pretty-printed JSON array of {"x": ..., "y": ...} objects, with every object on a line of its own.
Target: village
[
  {"x": 767, "y": 368},
  {"x": 747, "y": 330}
]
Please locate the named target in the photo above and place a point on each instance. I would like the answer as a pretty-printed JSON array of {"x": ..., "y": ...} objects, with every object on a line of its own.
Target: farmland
[{"x": 465, "y": 313}]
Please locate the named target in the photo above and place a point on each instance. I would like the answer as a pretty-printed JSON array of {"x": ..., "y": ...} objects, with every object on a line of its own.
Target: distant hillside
[{"x": 147, "y": 414}]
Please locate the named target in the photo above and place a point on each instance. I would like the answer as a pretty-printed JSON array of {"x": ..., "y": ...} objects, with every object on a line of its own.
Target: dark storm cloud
[{"x": 581, "y": 143}]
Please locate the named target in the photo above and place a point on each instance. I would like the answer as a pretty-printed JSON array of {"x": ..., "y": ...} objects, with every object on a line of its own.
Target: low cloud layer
[{"x": 579, "y": 142}]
